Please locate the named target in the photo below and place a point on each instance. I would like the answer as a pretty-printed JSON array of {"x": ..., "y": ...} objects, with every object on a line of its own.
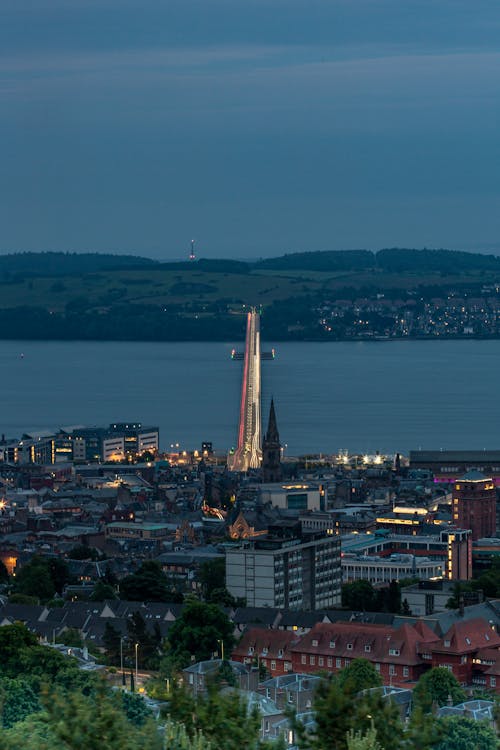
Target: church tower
[{"x": 271, "y": 450}]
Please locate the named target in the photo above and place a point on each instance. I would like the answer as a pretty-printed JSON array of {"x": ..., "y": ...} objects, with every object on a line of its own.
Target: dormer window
[
  {"x": 394, "y": 652},
  {"x": 467, "y": 640},
  {"x": 315, "y": 642},
  {"x": 250, "y": 650},
  {"x": 264, "y": 651},
  {"x": 368, "y": 648},
  {"x": 332, "y": 644},
  {"x": 447, "y": 644},
  {"x": 349, "y": 646},
  {"x": 280, "y": 652}
]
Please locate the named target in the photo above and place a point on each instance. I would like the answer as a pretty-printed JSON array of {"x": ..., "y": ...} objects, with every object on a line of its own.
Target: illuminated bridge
[{"x": 248, "y": 453}]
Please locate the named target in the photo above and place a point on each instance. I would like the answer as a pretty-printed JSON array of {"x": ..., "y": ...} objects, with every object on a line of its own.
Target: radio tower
[{"x": 192, "y": 256}]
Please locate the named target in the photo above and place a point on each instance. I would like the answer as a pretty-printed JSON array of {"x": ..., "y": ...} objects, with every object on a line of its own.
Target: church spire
[
  {"x": 271, "y": 450},
  {"x": 272, "y": 434}
]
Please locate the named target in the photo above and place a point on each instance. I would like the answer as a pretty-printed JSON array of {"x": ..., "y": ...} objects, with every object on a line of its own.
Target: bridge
[{"x": 248, "y": 453}]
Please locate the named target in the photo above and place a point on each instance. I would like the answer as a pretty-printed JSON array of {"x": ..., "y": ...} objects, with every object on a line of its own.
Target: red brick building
[
  {"x": 474, "y": 504},
  {"x": 270, "y": 648},
  {"x": 459, "y": 648}
]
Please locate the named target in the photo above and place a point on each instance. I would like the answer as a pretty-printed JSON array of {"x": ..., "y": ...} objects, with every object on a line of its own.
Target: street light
[
  {"x": 121, "y": 661},
  {"x": 136, "y": 648},
  {"x": 221, "y": 647}
]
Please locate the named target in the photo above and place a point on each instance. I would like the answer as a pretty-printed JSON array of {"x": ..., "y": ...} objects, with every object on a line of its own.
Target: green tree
[
  {"x": 359, "y": 741},
  {"x": 102, "y": 591},
  {"x": 135, "y": 708},
  {"x": 111, "y": 641},
  {"x": 14, "y": 639},
  {"x": 461, "y": 733},
  {"x": 359, "y": 675},
  {"x": 18, "y": 700},
  {"x": 359, "y": 595},
  {"x": 435, "y": 686},
  {"x": 34, "y": 579},
  {"x": 148, "y": 584},
  {"x": 71, "y": 637},
  {"x": 199, "y": 631}
]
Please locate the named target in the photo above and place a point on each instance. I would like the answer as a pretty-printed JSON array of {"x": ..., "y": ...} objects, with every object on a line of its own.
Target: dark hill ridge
[
  {"x": 66, "y": 264},
  {"x": 390, "y": 260}
]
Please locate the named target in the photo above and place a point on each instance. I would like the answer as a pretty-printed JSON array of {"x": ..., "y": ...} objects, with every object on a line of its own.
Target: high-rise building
[
  {"x": 288, "y": 568},
  {"x": 271, "y": 450},
  {"x": 474, "y": 504}
]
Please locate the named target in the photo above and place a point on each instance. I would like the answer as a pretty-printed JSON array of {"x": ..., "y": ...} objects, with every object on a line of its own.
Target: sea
[{"x": 386, "y": 396}]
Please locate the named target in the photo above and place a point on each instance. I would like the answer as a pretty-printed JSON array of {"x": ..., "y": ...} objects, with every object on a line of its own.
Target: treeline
[
  {"x": 66, "y": 264},
  {"x": 390, "y": 260}
]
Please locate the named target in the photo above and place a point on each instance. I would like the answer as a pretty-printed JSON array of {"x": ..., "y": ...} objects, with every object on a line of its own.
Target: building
[
  {"x": 448, "y": 466},
  {"x": 137, "y": 439},
  {"x": 474, "y": 504},
  {"x": 427, "y": 597},
  {"x": 286, "y": 568},
  {"x": 137, "y": 531},
  {"x": 386, "y": 569},
  {"x": 98, "y": 444},
  {"x": 271, "y": 450},
  {"x": 297, "y": 496}
]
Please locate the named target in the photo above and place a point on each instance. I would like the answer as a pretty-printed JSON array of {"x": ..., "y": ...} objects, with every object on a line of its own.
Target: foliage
[
  {"x": 135, "y": 708},
  {"x": 111, "y": 641},
  {"x": 148, "y": 584},
  {"x": 84, "y": 552},
  {"x": 32, "y": 601},
  {"x": 148, "y": 648},
  {"x": 362, "y": 596},
  {"x": 359, "y": 675},
  {"x": 4, "y": 573},
  {"x": 177, "y": 738},
  {"x": 42, "y": 577},
  {"x": 435, "y": 686},
  {"x": 71, "y": 637},
  {"x": 461, "y": 733},
  {"x": 360, "y": 741},
  {"x": 223, "y": 719},
  {"x": 102, "y": 591},
  {"x": 199, "y": 630},
  {"x": 18, "y": 700}
]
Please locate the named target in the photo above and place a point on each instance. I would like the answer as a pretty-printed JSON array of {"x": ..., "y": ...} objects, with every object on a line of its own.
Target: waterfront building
[
  {"x": 474, "y": 504},
  {"x": 287, "y": 568}
]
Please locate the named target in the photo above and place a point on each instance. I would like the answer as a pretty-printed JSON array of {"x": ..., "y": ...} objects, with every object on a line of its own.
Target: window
[
  {"x": 377, "y": 667},
  {"x": 321, "y": 661},
  {"x": 329, "y": 661},
  {"x": 338, "y": 663},
  {"x": 332, "y": 644},
  {"x": 368, "y": 647},
  {"x": 493, "y": 681},
  {"x": 250, "y": 650},
  {"x": 287, "y": 667},
  {"x": 394, "y": 652},
  {"x": 268, "y": 692},
  {"x": 392, "y": 669},
  {"x": 280, "y": 653},
  {"x": 303, "y": 659},
  {"x": 406, "y": 672},
  {"x": 467, "y": 640},
  {"x": 312, "y": 660},
  {"x": 264, "y": 662},
  {"x": 349, "y": 646},
  {"x": 273, "y": 664},
  {"x": 264, "y": 651},
  {"x": 447, "y": 643}
]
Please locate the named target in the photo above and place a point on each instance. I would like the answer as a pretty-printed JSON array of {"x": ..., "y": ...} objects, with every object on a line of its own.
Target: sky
[{"x": 255, "y": 127}]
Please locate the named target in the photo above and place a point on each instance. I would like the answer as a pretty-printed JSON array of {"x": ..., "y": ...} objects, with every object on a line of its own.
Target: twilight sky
[{"x": 257, "y": 127}]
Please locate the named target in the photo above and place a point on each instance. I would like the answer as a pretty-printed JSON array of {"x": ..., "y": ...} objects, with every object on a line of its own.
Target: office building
[
  {"x": 288, "y": 568},
  {"x": 474, "y": 504}
]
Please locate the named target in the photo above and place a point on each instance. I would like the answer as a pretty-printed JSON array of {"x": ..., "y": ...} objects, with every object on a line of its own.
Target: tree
[
  {"x": 4, "y": 573},
  {"x": 359, "y": 675},
  {"x": 102, "y": 591},
  {"x": 34, "y": 579},
  {"x": 461, "y": 733},
  {"x": 435, "y": 686},
  {"x": 199, "y": 631},
  {"x": 18, "y": 700},
  {"x": 14, "y": 639},
  {"x": 148, "y": 584},
  {"x": 111, "y": 640},
  {"x": 359, "y": 595},
  {"x": 71, "y": 637},
  {"x": 360, "y": 741}
]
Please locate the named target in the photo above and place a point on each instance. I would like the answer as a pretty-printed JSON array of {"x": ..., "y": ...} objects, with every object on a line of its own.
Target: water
[{"x": 363, "y": 396}]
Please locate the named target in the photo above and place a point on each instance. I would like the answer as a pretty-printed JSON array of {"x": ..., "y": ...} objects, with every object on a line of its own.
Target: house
[{"x": 197, "y": 676}]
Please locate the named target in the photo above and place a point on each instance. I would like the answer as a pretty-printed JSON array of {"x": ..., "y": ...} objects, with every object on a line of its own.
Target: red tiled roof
[
  {"x": 257, "y": 641},
  {"x": 467, "y": 636}
]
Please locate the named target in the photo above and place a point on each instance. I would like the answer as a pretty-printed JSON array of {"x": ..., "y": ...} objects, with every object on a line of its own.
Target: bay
[{"x": 361, "y": 396}]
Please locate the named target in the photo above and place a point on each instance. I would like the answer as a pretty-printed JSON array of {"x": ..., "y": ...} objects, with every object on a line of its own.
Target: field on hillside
[{"x": 188, "y": 288}]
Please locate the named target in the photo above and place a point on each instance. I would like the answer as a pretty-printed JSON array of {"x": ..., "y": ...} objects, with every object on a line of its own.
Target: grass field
[{"x": 194, "y": 287}]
